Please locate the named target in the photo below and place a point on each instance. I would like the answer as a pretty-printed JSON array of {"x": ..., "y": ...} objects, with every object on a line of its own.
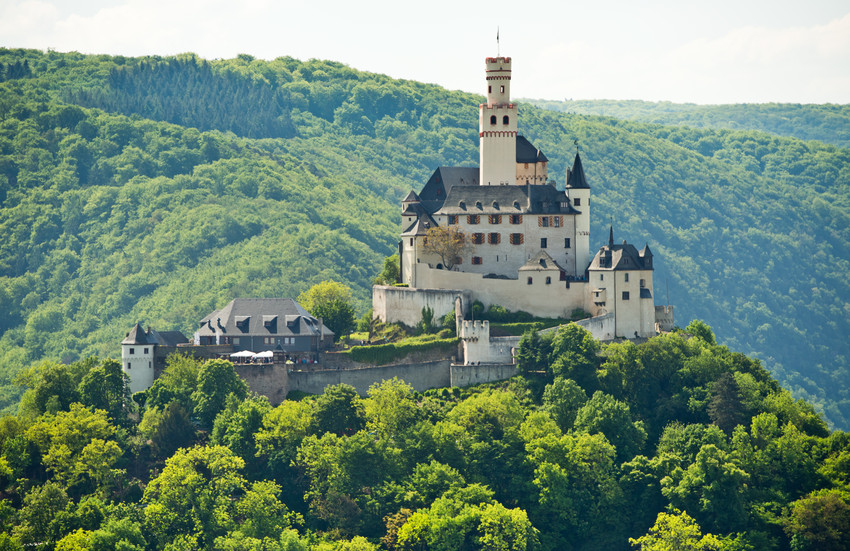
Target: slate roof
[
  {"x": 541, "y": 262},
  {"x": 527, "y": 153},
  {"x": 261, "y": 316},
  {"x": 518, "y": 199},
  {"x": 620, "y": 257},
  {"x": 137, "y": 335},
  {"x": 576, "y": 179}
]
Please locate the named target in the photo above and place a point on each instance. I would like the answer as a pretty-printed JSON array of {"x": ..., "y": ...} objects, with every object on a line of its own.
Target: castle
[{"x": 528, "y": 243}]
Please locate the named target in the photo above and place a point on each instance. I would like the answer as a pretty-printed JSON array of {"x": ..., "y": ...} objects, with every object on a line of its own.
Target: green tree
[
  {"x": 603, "y": 414},
  {"x": 820, "y": 520},
  {"x": 676, "y": 532},
  {"x": 217, "y": 380},
  {"x": 575, "y": 355},
  {"x": 391, "y": 274},
  {"x": 103, "y": 387},
  {"x": 562, "y": 399},
  {"x": 339, "y": 410},
  {"x": 330, "y": 301},
  {"x": 195, "y": 496}
]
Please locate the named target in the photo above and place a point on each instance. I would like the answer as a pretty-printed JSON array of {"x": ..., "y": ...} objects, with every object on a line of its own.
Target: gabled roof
[
  {"x": 527, "y": 153},
  {"x": 576, "y": 179},
  {"x": 255, "y": 316},
  {"x": 541, "y": 262},
  {"x": 442, "y": 181},
  {"x": 411, "y": 197},
  {"x": 620, "y": 257}
]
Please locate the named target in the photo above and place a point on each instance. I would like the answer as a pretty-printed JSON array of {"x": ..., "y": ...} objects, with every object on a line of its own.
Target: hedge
[{"x": 382, "y": 354}]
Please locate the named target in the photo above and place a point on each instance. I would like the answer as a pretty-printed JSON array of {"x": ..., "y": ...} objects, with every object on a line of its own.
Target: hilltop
[{"x": 157, "y": 189}]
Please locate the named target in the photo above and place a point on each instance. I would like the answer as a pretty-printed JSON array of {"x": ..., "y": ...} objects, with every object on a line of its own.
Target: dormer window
[
  {"x": 242, "y": 323},
  {"x": 462, "y": 205},
  {"x": 496, "y": 205},
  {"x": 270, "y": 323},
  {"x": 516, "y": 205},
  {"x": 478, "y": 205}
]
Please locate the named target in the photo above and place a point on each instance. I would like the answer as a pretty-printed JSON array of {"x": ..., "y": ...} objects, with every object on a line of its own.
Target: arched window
[
  {"x": 492, "y": 119},
  {"x": 506, "y": 120}
]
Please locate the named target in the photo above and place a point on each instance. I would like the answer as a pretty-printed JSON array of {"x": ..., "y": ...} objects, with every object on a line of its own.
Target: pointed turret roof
[
  {"x": 411, "y": 197},
  {"x": 576, "y": 179},
  {"x": 645, "y": 251},
  {"x": 137, "y": 335}
]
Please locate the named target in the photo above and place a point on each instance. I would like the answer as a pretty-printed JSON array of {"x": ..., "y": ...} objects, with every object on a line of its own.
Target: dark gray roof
[
  {"x": 411, "y": 197},
  {"x": 620, "y": 257},
  {"x": 137, "y": 335},
  {"x": 421, "y": 225},
  {"x": 645, "y": 293},
  {"x": 167, "y": 338},
  {"x": 576, "y": 179},
  {"x": 540, "y": 262},
  {"x": 518, "y": 199},
  {"x": 527, "y": 153},
  {"x": 444, "y": 179},
  {"x": 261, "y": 316}
]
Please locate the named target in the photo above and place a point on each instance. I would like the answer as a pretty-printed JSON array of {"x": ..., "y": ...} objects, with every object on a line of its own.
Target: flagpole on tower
[{"x": 498, "y": 52}]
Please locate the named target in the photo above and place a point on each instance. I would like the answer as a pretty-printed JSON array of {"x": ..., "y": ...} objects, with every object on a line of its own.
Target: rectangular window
[
  {"x": 530, "y": 280},
  {"x": 477, "y": 238},
  {"x": 625, "y": 295},
  {"x": 627, "y": 276},
  {"x": 473, "y": 219},
  {"x": 577, "y": 201},
  {"x": 642, "y": 283},
  {"x": 543, "y": 221},
  {"x": 501, "y": 89},
  {"x": 543, "y": 242},
  {"x": 476, "y": 260},
  {"x": 411, "y": 241},
  {"x": 453, "y": 219},
  {"x": 146, "y": 350},
  {"x": 494, "y": 238},
  {"x": 516, "y": 239},
  {"x": 129, "y": 365},
  {"x": 601, "y": 277},
  {"x": 516, "y": 219},
  {"x": 495, "y": 218},
  {"x": 566, "y": 242},
  {"x": 548, "y": 280},
  {"x": 557, "y": 221},
  {"x": 235, "y": 340},
  {"x": 132, "y": 351}
]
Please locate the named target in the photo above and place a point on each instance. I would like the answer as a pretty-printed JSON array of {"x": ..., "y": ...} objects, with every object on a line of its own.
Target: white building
[{"x": 528, "y": 242}]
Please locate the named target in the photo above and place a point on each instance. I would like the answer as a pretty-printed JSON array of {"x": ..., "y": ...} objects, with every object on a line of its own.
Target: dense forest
[
  {"x": 829, "y": 123},
  {"x": 675, "y": 443},
  {"x": 158, "y": 189}
]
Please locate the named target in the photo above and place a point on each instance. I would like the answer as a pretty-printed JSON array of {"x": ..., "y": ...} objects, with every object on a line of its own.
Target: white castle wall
[
  {"x": 404, "y": 304},
  {"x": 554, "y": 300}
]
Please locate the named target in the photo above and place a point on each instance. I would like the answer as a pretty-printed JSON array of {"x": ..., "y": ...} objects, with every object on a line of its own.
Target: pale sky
[{"x": 712, "y": 51}]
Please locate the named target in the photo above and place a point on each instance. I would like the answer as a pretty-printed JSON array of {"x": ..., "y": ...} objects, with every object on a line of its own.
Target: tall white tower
[
  {"x": 579, "y": 193},
  {"x": 497, "y": 126}
]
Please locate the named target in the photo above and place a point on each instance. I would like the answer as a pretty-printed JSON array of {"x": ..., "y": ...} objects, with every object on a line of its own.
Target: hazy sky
[{"x": 718, "y": 51}]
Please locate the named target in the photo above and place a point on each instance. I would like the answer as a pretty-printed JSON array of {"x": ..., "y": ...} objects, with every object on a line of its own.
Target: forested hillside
[
  {"x": 828, "y": 123},
  {"x": 673, "y": 444},
  {"x": 112, "y": 215}
]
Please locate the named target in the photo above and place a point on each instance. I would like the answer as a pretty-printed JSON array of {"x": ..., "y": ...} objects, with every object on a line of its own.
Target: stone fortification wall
[
  {"x": 269, "y": 380},
  {"x": 421, "y": 376},
  {"x": 404, "y": 304},
  {"x": 465, "y": 375},
  {"x": 664, "y": 318},
  {"x": 601, "y": 327},
  {"x": 553, "y": 300}
]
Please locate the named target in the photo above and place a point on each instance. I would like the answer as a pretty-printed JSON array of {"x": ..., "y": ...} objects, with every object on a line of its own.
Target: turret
[
  {"x": 497, "y": 126},
  {"x": 579, "y": 193}
]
